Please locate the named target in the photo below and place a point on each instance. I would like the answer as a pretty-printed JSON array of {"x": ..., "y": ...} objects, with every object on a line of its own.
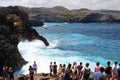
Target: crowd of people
[
  {"x": 78, "y": 72},
  {"x": 73, "y": 71},
  {"x": 8, "y": 72}
]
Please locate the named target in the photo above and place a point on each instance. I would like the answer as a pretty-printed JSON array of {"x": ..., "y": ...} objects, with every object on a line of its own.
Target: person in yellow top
[{"x": 74, "y": 68}]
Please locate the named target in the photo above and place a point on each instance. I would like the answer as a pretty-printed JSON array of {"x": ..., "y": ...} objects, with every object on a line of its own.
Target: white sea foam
[
  {"x": 53, "y": 44},
  {"x": 37, "y": 51}
]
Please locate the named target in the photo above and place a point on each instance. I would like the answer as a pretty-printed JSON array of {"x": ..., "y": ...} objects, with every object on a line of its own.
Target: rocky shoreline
[
  {"x": 44, "y": 76},
  {"x": 14, "y": 27},
  {"x": 41, "y": 76}
]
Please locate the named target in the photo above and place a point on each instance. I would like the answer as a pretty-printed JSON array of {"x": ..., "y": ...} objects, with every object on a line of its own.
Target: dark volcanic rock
[
  {"x": 12, "y": 10},
  {"x": 14, "y": 28},
  {"x": 9, "y": 54},
  {"x": 35, "y": 23}
]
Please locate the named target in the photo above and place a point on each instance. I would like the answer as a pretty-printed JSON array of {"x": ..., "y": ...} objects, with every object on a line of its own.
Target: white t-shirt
[{"x": 114, "y": 68}]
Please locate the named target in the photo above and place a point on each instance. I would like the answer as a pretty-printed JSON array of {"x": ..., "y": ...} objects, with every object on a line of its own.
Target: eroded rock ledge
[{"x": 14, "y": 27}]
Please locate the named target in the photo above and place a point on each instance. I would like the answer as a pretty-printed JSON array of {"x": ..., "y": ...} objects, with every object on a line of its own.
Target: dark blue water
[
  {"x": 105, "y": 37},
  {"x": 71, "y": 42},
  {"x": 102, "y": 30}
]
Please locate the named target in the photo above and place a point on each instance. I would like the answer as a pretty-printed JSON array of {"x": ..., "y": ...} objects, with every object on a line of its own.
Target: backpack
[
  {"x": 108, "y": 70},
  {"x": 87, "y": 72},
  {"x": 118, "y": 72}
]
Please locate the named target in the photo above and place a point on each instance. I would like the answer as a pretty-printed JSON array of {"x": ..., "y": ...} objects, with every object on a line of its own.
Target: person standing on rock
[
  {"x": 114, "y": 70},
  {"x": 55, "y": 69},
  {"x": 86, "y": 72},
  {"x": 35, "y": 67},
  {"x": 98, "y": 75},
  {"x": 51, "y": 68},
  {"x": 31, "y": 73},
  {"x": 97, "y": 67},
  {"x": 108, "y": 71},
  {"x": 118, "y": 73},
  {"x": 80, "y": 70}
]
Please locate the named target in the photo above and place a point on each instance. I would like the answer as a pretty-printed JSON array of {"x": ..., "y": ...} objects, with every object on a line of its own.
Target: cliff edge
[{"x": 14, "y": 27}]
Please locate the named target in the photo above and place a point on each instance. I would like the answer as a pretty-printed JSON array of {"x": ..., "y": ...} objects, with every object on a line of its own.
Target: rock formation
[
  {"x": 14, "y": 27},
  {"x": 62, "y": 14}
]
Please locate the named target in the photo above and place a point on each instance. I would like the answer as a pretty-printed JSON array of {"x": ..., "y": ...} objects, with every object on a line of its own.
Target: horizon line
[{"x": 58, "y": 6}]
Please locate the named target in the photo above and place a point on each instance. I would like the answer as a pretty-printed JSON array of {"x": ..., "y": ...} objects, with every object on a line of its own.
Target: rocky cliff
[
  {"x": 62, "y": 14},
  {"x": 98, "y": 17},
  {"x": 14, "y": 27}
]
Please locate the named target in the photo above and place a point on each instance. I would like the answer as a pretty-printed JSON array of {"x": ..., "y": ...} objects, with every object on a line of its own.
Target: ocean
[{"x": 72, "y": 42}]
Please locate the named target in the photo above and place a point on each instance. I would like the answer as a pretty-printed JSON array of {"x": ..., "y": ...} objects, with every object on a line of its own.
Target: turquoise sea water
[{"x": 72, "y": 42}]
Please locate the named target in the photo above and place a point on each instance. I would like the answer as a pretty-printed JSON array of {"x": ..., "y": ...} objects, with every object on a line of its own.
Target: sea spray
[{"x": 36, "y": 51}]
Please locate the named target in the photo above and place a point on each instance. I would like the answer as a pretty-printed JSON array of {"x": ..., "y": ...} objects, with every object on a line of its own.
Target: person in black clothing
[
  {"x": 108, "y": 71},
  {"x": 118, "y": 73},
  {"x": 31, "y": 73}
]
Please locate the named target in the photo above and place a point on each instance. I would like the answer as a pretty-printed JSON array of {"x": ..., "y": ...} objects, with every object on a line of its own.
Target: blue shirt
[{"x": 99, "y": 76}]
